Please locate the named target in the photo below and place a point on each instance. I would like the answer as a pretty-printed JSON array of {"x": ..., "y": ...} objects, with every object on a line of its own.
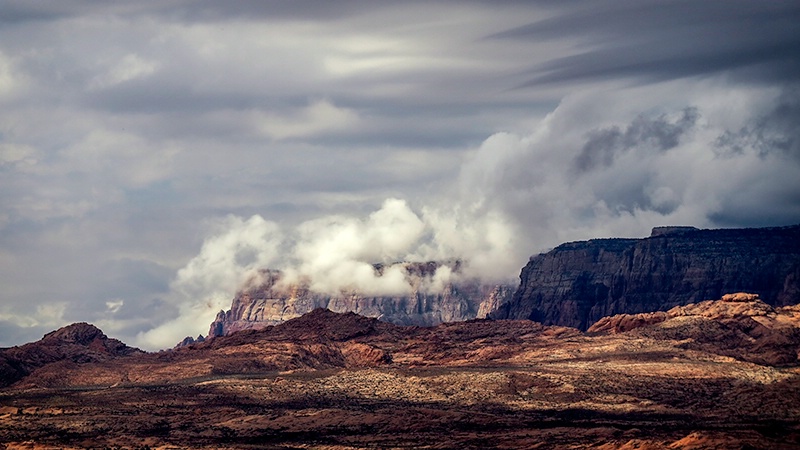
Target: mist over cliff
[
  {"x": 426, "y": 300},
  {"x": 580, "y": 173},
  {"x": 338, "y": 254}
]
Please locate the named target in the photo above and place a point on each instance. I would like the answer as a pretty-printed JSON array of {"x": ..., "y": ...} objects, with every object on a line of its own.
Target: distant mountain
[
  {"x": 270, "y": 303},
  {"x": 78, "y": 343},
  {"x": 578, "y": 283}
]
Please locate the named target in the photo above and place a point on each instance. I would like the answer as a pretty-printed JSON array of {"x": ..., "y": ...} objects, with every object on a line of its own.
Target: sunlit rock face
[
  {"x": 270, "y": 301},
  {"x": 577, "y": 283},
  {"x": 740, "y": 326}
]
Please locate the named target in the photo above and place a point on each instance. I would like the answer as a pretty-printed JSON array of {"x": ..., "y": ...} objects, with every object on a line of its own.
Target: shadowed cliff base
[{"x": 578, "y": 283}]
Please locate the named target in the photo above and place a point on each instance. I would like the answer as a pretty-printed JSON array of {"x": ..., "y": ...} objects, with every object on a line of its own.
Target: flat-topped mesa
[
  {"x": 661, "y": 231},
  {"x": 577, "y": 283},
  {"x": 270, "y": 301}
]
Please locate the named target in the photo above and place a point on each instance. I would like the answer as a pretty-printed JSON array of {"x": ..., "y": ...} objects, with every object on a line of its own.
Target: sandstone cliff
[
  {"x": 269, "y": 302},
  {"x": 577, "y": 283}
]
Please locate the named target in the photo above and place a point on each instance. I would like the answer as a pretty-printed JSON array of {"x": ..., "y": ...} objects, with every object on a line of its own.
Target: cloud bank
[
  {"x": 575, "y": 175},
  {"x": 153, "y": 155},
  {"x": 334, "y": 255}
]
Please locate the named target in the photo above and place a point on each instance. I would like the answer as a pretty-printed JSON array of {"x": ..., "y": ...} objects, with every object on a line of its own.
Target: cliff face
[
  {"x": 577, "y": 283},
  {"x": 269, "y": 303}
]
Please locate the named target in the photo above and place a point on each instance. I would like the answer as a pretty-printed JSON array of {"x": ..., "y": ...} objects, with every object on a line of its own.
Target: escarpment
[
  {"x": 270, "y": 301},
  {"x": 578, "y": 283}
]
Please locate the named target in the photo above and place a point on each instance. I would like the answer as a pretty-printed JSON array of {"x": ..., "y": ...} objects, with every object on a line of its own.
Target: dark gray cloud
[
  {"x": 768, "y": 62},
  {"x": 14, "y": 12},
  {"x": 661, "y": 40},
  {"x": 643, "y": 134},
  {"x": 775, "y": 131},
  {"x": 212, "y": 11}
]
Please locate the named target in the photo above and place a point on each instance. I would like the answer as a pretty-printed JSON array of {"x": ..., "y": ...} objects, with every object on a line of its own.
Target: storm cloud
[
  {"x": 662, "y": 40},
  {"x": 153, "y": 156},
  {"x": 658, "y": 134}
]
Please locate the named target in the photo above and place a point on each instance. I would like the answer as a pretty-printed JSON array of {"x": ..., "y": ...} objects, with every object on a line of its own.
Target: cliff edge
[
  {"x": 578, "y": 283},
  {"x": 271, "y": 302}
]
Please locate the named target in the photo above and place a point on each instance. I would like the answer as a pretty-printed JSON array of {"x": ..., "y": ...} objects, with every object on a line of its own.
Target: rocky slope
[
  {"x": 343, "y": 381},
  {"x": 577, "y": 283},
  {"x": 270, "y": 303},
  {"x": 740, "y": 325},
  {"x": 78, "y": 343}
]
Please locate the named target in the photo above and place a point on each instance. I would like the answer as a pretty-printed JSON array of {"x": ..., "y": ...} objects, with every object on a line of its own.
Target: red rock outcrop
[
  {"x": 621, "y": 323},
  {"x": 330, "y": 380},
  {"x": 78, "y": 343},
  {"x": 739, "y": 325}
]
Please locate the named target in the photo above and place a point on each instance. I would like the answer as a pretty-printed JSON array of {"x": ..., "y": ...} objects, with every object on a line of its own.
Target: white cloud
[
  {"x": 113, "y": 306},
  {"x": 130, "y": 67},
  {"x": 653, "y": 168},
  {"x": 122, "y": 158},
  {"x": 207, "y": 283},
  {"x": 10, "y": 79},
  {"x": 20, "y": 156},
  {"x": 337, "y": 252},
  {"x": 318, "y": 117},
  {"x": 333, "y": 254},
  {"x": 49, "y": 314}
]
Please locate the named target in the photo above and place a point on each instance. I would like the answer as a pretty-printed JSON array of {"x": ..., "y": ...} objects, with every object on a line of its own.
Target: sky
[{"x": 155, "y": 154}]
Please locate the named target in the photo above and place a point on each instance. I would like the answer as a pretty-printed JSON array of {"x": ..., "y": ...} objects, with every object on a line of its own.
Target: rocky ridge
[
  {"x": 269, "y": 302},
  {"x": 578, "y": 283},
  {"x": 62, "y": 349},
  {"x": 739, "y": 325},
  {"x": 336, "y": 381}
]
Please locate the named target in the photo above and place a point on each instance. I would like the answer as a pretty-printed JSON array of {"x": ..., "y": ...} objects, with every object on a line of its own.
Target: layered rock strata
[
  {"x": 270, "y": 302},
  {"x": 577, "y": 283}
]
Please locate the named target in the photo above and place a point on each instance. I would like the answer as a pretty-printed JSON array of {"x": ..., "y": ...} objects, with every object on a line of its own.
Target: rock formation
[
  {"x": 577, "y": 283},
  {"x": 188, "y": 340},
  {"x": 740, "y": 325},
  {"x": 269, "y": 302},
  {"x": 78, "y": 343},
  {"x": 329, "y": 380}
]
